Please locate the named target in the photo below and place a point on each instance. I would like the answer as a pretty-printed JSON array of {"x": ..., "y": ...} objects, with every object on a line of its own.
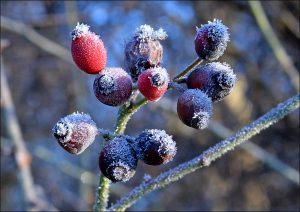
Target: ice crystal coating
[
  {"x": 145, "y": 32},
  {"x": 75, "y": 132},
  {"x": 79, "y": 30},
  {"x": 215, "y": 79},
  {"x": 211, "y": 40},
  {"x": 153, "y": 83},
  {"x": 144, "y": 50},
  {"x": 112, "y": 86},
  {"x": 155, "y": 147},
  {"x": 194, "y": 108},
  {"x": 118, "y": 160}
]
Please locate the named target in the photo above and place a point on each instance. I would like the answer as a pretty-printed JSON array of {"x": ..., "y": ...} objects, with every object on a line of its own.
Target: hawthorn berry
[
  {"x": 211, "y": 40},
  {"x": 87, "y": 50},
  {"x": 75, "y": 132},
  {"x": 117, "y": 160},
  {"x": 194, "y": 108},
  {"x": 153, "y": 83},
  {"x": 154, "y": 147},
  {"x": 112, "y": 86},
  {"x": 215, "y": 79},
  {"x": 144, "y": 50}
]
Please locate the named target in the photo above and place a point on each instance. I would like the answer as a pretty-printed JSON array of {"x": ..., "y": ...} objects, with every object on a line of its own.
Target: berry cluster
[{"x": 143, "y": 73}]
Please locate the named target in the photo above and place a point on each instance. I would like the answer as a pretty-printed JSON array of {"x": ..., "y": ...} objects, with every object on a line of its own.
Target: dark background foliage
[{"x": 45, "y": 88}]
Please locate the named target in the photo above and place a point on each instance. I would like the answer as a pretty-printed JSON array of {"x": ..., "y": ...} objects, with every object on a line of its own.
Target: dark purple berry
[
  {"x": 75, "y": 132},
  {"x": 155, "y": 147},
  {"x": 194, "y": 108},
  {"x": 144, "y": 50},
  {"x": 211, "y": 40},
  {"x": 118, "y": 160},
  {"x": 112, "y": 86},
  {"x": 215, "y": 79}
]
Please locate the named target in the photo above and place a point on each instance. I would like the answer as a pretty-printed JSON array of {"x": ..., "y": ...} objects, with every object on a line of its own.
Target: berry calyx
[
  {"x": 155, "y": 147},
  {"x": 215, "y": 79},
  {"x": 88, "y": 51},
  {"x": 75, "y": 132},
  {"x": 117, "y": 160},
  {"x": 211, "y": 40},
  {"x": 144, "y": 50},
  {"x": 153, "y": 83},
  {"x": 194, "y": 108},
  {"x": 112, "y": 86}
]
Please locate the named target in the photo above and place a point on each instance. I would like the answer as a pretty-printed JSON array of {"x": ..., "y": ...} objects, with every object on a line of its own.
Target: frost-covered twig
[
  {"x": 209, "y": 155},
  {"x": 273, "y": 41}
]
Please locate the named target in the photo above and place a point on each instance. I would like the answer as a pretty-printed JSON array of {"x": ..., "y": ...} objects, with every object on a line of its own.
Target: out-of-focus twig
[
  {"x": 250, "y": 147},
  {"x": 36, "y": 38},
  {"x": 273, "y": 41},
  {"x": 22, "y": 156}
]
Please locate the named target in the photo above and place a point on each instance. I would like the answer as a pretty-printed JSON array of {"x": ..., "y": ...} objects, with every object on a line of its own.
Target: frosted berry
[
  {"x": 144, "y": 50},
  {"x": 215, "y": 79},
  {"x": 117, "y": 160},
  {"x": 194, "y": 108},
  {"x": 112, "y": 86},
  {"x": 155, "y": 147},
  {"x": 153, "y": 83},
  {"x": 75, "y": 132},
  {"x": 211, "y": 40},
  {"x": 88, "y": 50}
]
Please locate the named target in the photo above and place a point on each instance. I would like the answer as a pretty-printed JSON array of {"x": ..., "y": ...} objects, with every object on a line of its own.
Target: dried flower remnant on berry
[
  {"x": 75, "y": 132},
  {"x": 215, "y": 79},
  {"x": 211, "y": 40},
  {"x": 144, "y": 50},
  {"x": 79, "y": 30},
  {"x": 194, "y": 108},
  {"x": 155, "y": 147},
  {"x": 117, "y": 160},
  {"x": 112, "y": 86}
]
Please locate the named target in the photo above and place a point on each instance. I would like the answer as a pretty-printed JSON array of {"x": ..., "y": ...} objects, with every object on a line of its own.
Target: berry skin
[
  {"x": 112, "y": 86},
  {"x": 144, "y": 50},
  {"x": 117, "y": 160},
  {"x": 215, "y": 79},
  {"x": 211, "y": 40},
  {"x": 155, "y": 147},
  {"x": 87, "y": 50},
  {"x": 153, "y": 83},
  {"x": 194, "y": 108},
  {"x": 75, "y": 132}
]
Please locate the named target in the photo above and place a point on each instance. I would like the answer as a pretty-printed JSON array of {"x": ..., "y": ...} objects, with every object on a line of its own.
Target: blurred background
[{"x": 45, "y": 85}]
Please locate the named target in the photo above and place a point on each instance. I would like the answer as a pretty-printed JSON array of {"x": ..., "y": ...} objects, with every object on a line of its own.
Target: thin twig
[
  {"x": 209, "y": 155},
  {"x": 273, "y": 41},
  {"x": 197, "y": 62},
  {"x": 253, "y": 149}
]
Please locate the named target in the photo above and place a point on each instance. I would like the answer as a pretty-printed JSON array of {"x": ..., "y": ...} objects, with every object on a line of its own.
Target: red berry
[
  {"x": 215, "y": 79},
  {"x": 211, "y": 40},
  {"x": 155, "y": 147},
  {"x": 88, "y": 50},
  {"x": 117, "y": 160},
  {"x": 144, "y": 50},
  {"x": 194, "y": 108},
  {"x": 75, "y": 132},
  {"x": 153, "y": 83},
  {"x": 113, "y": 86}
]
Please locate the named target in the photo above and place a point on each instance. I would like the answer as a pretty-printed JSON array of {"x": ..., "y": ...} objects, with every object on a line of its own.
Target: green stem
[
  {"x": 197, "y": 62},
  {"x": 209, "y": 155},
  {"x": 125, "y": 113}
]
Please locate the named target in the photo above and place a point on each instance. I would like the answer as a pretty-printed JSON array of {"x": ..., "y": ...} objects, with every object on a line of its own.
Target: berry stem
[
  {"x": 210, "y": 155},
  {"x": 125, "y": 113},
  {"x": 197, "y": 62}
]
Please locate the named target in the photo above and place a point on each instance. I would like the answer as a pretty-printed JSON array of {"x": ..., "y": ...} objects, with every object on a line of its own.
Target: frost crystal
[
  {"x": 145, "y": 32},
  {"x": 79, "y": 30},
  {"x": 159, "y": 76}
]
